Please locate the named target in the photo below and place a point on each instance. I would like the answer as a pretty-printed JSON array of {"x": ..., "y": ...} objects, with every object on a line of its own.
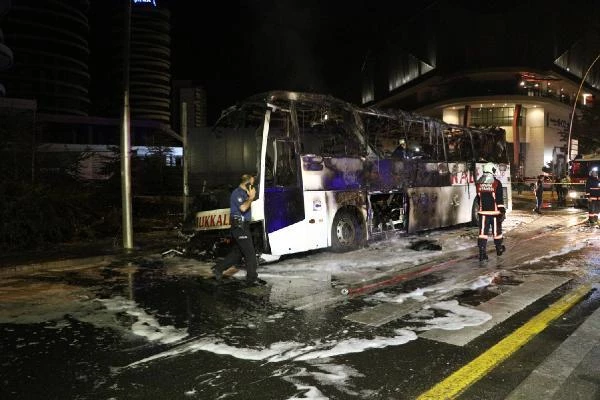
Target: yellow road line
[{"x": 460, "y": 380}]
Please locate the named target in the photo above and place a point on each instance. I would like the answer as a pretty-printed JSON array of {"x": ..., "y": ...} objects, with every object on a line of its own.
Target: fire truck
[{"x": 579, "y": 170}]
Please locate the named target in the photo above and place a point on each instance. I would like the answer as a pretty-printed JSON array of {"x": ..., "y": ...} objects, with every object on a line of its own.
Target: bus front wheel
[{"x": 346, "y": 232}]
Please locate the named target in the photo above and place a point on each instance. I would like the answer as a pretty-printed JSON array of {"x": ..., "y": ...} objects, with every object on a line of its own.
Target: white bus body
[{"x": 327, "y": 176}]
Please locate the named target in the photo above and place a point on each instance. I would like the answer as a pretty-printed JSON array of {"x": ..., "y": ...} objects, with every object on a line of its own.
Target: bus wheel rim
[{"x": 345, "y": 232}]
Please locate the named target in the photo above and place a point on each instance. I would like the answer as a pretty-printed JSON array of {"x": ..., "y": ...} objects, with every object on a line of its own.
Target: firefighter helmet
[{"x": 489, "y": 168}]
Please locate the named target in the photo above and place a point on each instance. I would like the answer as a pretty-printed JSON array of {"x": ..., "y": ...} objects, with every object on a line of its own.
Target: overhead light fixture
[
  {"x": 585, "y": 98},
  {"x": 522, "y": 83}
]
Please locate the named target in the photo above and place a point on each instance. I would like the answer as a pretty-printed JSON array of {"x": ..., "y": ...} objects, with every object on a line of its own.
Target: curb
[{"x": 74, "y": 262}]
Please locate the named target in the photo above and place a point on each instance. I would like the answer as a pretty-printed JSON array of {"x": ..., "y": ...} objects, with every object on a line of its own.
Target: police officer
[
  {"x": 240, "y": 209},
  {"x": 592, "y": 191},
  {"x": 491, "y": 211}
]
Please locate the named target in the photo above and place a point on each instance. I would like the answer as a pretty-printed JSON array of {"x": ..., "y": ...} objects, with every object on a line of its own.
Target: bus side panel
[
  {"x": 332, "y": 173},
  {"x": 283, "y": 207},
  {"x": 437, "y": 207},
  {"x": 308, "y": 234}
]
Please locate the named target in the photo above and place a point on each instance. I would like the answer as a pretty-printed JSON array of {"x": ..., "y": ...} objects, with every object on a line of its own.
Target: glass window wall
[{"x": 494, "y": 116}]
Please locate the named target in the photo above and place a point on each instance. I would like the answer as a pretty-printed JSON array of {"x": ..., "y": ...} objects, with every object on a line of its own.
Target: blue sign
[{"x": 152, "y": 2}]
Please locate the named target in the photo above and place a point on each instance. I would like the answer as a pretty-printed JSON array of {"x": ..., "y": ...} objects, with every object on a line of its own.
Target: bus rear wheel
[
  {"x": 347, "y": 232},
  {"x": 474, "y": 216}
]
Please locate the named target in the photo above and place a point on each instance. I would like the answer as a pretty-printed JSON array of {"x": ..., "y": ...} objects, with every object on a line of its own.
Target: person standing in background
[
  {"x": 539, "y": 194},
  {"x": 592, "y": 192},
  {"x": 560, "y": 193}
]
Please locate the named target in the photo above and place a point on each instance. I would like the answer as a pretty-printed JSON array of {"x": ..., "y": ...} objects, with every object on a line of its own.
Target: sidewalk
[
  {"x": 91, "y": 252},
  {"x": 571, "y": 372}
]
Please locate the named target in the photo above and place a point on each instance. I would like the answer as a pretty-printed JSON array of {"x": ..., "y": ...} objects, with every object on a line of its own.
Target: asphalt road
[{"x": 414, "y": 325}]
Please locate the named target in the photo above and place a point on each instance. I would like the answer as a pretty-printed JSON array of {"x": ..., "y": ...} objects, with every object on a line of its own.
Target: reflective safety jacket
[
  {"x": 592, "y": 188},
  {"x": 491, "y": 197}
]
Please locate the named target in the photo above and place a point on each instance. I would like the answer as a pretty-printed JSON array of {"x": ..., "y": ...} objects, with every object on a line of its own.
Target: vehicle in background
[
  {"x": 579, "y": 170},
  {"x": 333, "y": 175},
  {"x": 547, "y": 181}
]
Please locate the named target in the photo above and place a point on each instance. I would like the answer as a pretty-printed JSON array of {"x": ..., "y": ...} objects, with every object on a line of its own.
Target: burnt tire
[
  {"x": 474, "y": 216},
  {"x": 347, "y": 232}
]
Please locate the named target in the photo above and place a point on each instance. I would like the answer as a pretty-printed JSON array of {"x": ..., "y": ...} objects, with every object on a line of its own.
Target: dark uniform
[
  {"x": 491, "y": 211},
  {"x": 240, "y": 231},
  {"x": 592, "y": 191},
  {"x": 539, "y": 195}
]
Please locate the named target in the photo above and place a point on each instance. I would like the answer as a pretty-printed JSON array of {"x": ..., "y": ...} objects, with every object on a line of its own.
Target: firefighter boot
[
  {"x": 482, "y": 244},
  {"x": 500, "y": 248}
]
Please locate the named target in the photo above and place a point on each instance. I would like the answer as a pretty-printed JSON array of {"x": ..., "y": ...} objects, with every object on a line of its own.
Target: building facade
[
  {"x": 194, "y": 97},
  {"x": 519, "y": 67},
  {"x": 149, "y": 59},
  {"x": 6, "y": 54},
  {"x": 63, "y": 63},
  {"x": 49, "y": 40}
]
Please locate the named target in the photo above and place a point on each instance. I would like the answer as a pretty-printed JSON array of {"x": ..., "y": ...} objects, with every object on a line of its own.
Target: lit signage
[
  {"x": 151, "y": 2},
  {"x": 213, "y": 219}
]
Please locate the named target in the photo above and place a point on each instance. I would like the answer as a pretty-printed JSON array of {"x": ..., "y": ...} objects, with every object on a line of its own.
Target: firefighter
[
  {"x": 491, "y": 211},
  {"x": 592, "y": 192}
]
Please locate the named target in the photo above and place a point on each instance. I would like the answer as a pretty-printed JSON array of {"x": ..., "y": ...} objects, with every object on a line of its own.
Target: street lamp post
[{"x": 126, "y": 208}]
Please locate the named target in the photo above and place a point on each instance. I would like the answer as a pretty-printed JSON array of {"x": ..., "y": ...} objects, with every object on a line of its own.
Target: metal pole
[
  {"x": 125, "y": 137},
  {"x": 573, "y": 112},
  {"x": 184, "y": 133}
]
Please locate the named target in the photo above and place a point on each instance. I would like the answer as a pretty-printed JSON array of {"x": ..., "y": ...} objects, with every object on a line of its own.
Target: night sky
[{"x": 240, "y": 48}]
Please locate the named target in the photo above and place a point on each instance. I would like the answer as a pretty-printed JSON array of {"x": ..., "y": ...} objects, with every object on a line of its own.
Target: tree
[{"x": 586, "y": 129}]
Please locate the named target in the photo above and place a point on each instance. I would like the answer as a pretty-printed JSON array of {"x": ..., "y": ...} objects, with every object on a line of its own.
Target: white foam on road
[
  {"x": 145, "y": 325},
  {"x": 283, "y": 351},
  {"x": 325, "y": 374},
  {"x": 574, "y": 246},
  {"x": 420, "y": 294},
  {"x": 456, "y": 318}
]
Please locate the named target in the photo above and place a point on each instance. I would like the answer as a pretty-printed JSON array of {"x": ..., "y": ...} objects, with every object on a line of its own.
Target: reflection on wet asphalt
[
  {"x": 139, "y": 332},
  {"x": 97, "y": 347}
]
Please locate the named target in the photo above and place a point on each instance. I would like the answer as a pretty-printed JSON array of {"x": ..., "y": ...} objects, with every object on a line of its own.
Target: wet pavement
[{"x": 140, "y": 325}]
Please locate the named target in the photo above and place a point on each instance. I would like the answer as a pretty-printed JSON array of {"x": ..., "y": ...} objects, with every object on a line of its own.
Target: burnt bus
[{"x": 334, "y": 175}]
